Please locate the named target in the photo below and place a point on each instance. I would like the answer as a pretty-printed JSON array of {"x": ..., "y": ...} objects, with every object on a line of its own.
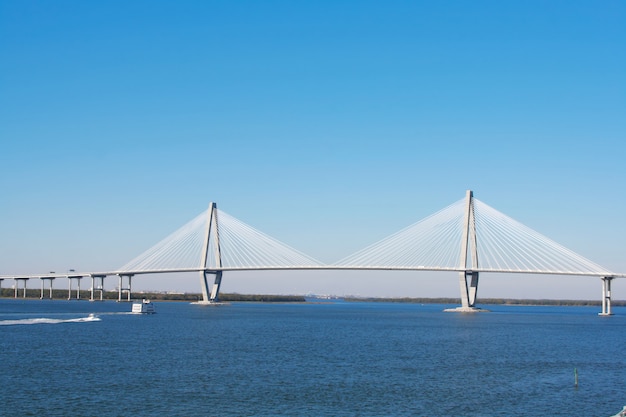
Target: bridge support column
[
  {"x": 606, "y": 297},
  {"x": 121, "y": 288},
  {"x": 43, "y": 280},
  {"x": 69, "y": 288},
  {"x": 216, "y": 287},
  {"x": 94, "y": 288},
  {"x": 101, "y": 288},
  {"x": 464, "y": 291},
  {"x": 17, "y": 285},
  {"x": 204, "y": 283},
  {"x": 17, "y": 281},
  {"x": 212, "y": 296},
  {"x": 469, "y": 291},
  {"x": 473, "y": 289}
]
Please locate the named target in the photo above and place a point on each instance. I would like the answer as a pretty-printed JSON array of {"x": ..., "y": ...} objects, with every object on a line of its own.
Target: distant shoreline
[
  {"x": 488, "y": 301},
  {"x": 60, "y": 294},
  {"x": 274, "y": 298}
]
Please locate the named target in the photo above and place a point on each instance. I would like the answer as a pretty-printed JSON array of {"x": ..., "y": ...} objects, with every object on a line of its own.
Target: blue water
[{"x": 336, "y": 359}]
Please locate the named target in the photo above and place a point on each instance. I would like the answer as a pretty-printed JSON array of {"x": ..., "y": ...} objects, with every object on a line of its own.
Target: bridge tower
[
  {"x": 469, "y": 258},
  {"x": 606, "y": 297},
  {"x": 210, "y": 297}
]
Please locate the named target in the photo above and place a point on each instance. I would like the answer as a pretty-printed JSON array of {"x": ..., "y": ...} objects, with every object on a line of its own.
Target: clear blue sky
[{"x": 327, "y": 125}]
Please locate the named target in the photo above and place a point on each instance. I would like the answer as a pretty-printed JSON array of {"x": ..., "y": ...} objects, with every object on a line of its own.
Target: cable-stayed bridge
[{"x": 468, "y": 237}]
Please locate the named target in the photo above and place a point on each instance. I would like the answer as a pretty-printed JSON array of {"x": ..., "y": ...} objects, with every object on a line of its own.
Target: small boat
[
  {"x": 144, "y": 307},
  {"x": 621, "y": 413}
]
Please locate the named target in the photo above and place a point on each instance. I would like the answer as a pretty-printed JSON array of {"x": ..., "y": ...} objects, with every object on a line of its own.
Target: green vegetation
[
  {"x": 61, "y": 294},
  {"x": 492, "y": 301},
  {"x": 263, "y": 298},
  {"x": 266, "y": 298},
  {"x": 154, "y": 296}
]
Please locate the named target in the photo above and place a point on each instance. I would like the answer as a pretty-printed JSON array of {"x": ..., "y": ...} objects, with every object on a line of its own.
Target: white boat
[
  {"x": 144, "y": 307},
  {"x": 621, "y": 413}
]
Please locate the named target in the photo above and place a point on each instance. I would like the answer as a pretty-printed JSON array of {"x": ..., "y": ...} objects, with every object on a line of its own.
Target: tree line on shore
[
  {"x": 60, "y": 294},
  {"x": 492, "y": 301}
]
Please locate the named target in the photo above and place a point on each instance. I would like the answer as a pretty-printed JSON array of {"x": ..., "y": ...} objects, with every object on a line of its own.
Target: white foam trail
[{"x": 44, "y": 320}]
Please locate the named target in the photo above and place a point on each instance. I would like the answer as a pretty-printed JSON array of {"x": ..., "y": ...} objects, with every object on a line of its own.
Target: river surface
[{"x": 309, "y": 359}]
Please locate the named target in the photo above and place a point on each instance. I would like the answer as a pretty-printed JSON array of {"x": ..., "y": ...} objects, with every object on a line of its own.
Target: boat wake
[{"x": 44, "y": 320}]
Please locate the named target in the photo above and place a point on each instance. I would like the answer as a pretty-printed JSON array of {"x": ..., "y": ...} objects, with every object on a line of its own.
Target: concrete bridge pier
[
  {"x": 43, "y": 280},
  {"x": 17, "y": 282},
  {"x": 99, "y": 288},
  {"x": 469, "y": 291},
  {"x": 216, "y": 287},
  {"x": 122, "y": 289},
  {"x": 606, "y": 297},
  {"x": 473, "y": 288},
  {"x": 69, "y": 290},
  {"x": 212, "y": 296}
]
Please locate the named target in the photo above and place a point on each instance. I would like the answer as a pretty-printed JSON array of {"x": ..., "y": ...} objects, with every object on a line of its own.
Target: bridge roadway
[
  {"x": 306, "y": 267},
  {"x": 606, "y": 280}
]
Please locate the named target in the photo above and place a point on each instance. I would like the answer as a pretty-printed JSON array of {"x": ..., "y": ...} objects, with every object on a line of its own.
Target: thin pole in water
[{"x": 575, "y": 377}]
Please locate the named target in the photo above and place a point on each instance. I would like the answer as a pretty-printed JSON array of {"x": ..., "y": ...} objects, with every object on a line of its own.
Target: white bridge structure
[{"x": 468, "y": 237}]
